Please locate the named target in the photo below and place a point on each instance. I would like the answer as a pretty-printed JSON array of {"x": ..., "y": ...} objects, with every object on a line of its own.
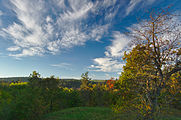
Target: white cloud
[
  {"x": 13, "y": 48},
  {"x": 112, "y": 61},
  {"x": 77, "y": 12},
  {"x": 106, "y": 65},
  {"x": 131, "y": 6},
  {"x": 61, "y": 65},
  {"x": 98, "y": 32},
  {"x": 29, "y": 52},
  {"x": 119, "y": 45},
  {"x": 134, "y": 3},
  {"x": 73, "y": 37}
]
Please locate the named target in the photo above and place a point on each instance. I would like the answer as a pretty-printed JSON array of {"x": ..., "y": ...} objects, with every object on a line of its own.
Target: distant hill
[{"x": 9, "y": 79}]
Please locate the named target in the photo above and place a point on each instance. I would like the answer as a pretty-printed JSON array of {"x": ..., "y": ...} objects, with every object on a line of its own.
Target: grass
[
  {"x": 101, "y": 113},
  {"x": 173, "y": 114},
  {"x": 83, "y": 113},
  {"x": 87, "y": 113}
]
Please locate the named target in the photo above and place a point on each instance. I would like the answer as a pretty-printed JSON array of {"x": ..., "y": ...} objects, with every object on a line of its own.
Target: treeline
[{"x": 69, "y": 83}]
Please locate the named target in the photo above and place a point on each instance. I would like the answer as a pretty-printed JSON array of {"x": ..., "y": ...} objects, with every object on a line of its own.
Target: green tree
[
  {"x": 152, "y": 62},
  {"x": 85, "y": 80},
  {"x": 34, "y": 79},
  {"x": 50, "y": 90}
]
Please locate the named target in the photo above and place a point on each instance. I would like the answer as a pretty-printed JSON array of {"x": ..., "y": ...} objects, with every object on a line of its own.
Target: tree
[
  {"x": 34, "y": 79},
  {"x": 50, "y": 90},
  {"x": 155, "y": 58},
  {"x": 85, "y": 80}
]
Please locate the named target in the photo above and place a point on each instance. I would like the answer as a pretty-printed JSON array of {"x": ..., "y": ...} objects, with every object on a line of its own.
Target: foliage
[
  {"x": 110, "y": 83},
  {"x": 34, "y": 79},
  {"x": 18, "y": 83}
]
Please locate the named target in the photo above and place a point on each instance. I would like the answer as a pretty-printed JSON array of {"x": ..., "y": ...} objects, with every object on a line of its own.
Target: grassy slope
[
  {"x": 82, "y": 113},
  {"x": 98, "y": 113},
  {"x": 86, "y": 113}
]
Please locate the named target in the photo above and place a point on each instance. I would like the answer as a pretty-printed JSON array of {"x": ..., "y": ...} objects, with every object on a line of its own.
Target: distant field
[{"x": 101, "y": 113}]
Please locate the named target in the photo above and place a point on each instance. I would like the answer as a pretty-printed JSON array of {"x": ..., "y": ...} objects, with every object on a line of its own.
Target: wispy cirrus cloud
[
  {"x": 50, "y": 27},
  {"x": 62, "y": 65},
  {"x": 13, "y": 48},
  {"x": 133, "y": 3}
]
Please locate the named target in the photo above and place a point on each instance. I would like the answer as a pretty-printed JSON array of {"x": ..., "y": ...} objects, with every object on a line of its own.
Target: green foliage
[
  {"x": 34, "y": 79},
  {"x": 20, "y": 102},
  {"x": 28, "y": 105},
  {"x": 69, "y": 98},
  {"x": 5, "y": 103},
  {"x": 98, "y": 95},
  {"x": 85, "y": 80}
]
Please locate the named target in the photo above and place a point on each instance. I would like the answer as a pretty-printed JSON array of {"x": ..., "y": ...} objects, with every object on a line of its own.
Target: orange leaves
[{"x": 110, "y": 83}]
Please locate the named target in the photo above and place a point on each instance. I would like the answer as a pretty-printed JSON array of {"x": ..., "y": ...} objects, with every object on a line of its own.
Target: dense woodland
[{"x": 149, "y": 87}]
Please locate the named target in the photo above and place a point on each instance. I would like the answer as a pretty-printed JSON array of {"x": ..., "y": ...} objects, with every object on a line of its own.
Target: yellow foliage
[
  {"x": 18, "y": 83},
  {"x": 65, "y": 89}
]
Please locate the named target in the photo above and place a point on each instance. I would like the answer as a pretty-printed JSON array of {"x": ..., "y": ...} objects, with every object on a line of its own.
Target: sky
[{"x": 66, "y": 38}]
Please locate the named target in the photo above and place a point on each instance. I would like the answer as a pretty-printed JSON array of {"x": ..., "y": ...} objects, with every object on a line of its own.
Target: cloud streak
[
  {"x": 62, "y": 65},
  {"x": 133, "y": 3}
]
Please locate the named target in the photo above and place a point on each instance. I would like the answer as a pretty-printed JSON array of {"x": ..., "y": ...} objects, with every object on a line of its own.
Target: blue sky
[{"x": 66, "y": 38}]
